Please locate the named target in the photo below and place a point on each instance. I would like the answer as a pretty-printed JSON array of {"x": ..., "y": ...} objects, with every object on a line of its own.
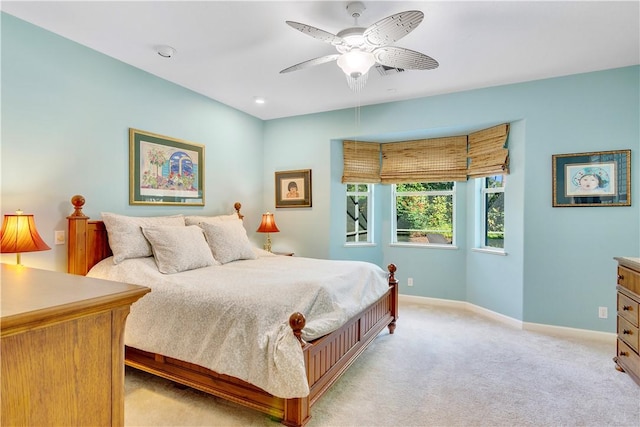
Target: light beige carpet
[{"x": 442, "y": 367}]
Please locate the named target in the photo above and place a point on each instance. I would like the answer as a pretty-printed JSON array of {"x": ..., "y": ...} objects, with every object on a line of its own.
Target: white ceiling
[{"x": 232, "y": 51}]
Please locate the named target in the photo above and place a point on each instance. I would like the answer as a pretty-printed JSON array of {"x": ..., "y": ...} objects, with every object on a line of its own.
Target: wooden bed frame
[{"x": 326, "y": 358}]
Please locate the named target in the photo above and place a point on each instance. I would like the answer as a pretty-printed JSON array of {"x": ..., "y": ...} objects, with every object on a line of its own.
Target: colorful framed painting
[
  {"x": 164, "y": 170},
  {"x": 601, "y": 178},
  {"x": 293, "y": 189}
]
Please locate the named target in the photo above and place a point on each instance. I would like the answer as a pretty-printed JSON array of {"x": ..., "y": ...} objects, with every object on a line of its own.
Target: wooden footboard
[{"x": 326, "y": 358}]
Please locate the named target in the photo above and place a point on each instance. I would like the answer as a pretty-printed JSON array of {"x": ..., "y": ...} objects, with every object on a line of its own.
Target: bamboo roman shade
[
  {"x": 488, "y": 154},
  {"x": 425, "y": 160},
  {"x": 455, "y": 158},
  {"x": 361, "y": 162}
]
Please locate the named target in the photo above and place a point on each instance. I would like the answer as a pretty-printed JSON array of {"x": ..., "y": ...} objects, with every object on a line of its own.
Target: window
[
  {"x": 424, "y": 213},
  {"x": 492, "y": 214},
  {"x": 359, "y": 213}
]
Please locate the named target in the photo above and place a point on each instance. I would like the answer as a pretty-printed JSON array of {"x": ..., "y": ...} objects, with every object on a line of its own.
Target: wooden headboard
[{"x": 88, "y": 241}]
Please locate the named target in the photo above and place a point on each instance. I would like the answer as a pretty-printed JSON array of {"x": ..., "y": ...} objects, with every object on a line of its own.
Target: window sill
[
  {"x": 490, "y": 251},
  {"x": 359, "y": 245},
  {"x": 424, "y": 246}
]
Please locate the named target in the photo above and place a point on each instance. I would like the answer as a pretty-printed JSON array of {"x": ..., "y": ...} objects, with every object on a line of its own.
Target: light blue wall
[
  {"x": 66, "y": 112},
  {"x": 559, "y": 266}
]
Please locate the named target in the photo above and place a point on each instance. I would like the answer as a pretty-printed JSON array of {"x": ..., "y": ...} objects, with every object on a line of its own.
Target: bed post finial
[
  {"x": 297, "y": 322},
  {"x": 392, "y": 273},
  {"x": 78, "y": 202},
  {"x": 237, "y": 206}
]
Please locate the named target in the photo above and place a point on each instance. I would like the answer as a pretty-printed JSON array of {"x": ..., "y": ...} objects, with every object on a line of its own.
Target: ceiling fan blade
[
  {"x": 311, "y": 63},
  {"x": 398, "y": 57},
  {"x": 316, "y": 33},
  {"x": 392, "y": 28}
]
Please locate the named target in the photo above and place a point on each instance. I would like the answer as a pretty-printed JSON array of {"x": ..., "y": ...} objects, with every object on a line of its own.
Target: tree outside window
[
  {"x": 424, "y": 213},
  {"x": 493, "y": 211}
]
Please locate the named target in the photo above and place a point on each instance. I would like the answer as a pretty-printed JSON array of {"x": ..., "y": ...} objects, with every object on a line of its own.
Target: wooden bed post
[
  {"x": 237, "y": 206},
  {"x": 77, "y": 246},
  {"x": 88, "y": 240},
  {"x": 393, "y": 283}
]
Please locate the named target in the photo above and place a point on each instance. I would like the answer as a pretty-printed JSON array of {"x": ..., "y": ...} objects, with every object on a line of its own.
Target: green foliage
[
  {"x": 495, "y": 212},
  {"x": 422, "y": 213}
]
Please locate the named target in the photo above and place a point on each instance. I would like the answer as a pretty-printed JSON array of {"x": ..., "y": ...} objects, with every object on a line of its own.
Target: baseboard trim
[
  {"x": 559, "y": 331},
  {"x": 566, "y": 332},
  {"x": 431, "y": 301}
]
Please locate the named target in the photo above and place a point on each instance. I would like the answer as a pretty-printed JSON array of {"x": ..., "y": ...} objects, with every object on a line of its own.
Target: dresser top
[
  {"x": 29, "y": 293},
  {"x": 633, "y": 263}
]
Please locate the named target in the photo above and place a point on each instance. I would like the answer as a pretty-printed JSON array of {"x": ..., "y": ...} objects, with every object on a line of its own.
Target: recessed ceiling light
[
  {"x": 259, "y": 100},
  {"x": 166, "y": 51}
]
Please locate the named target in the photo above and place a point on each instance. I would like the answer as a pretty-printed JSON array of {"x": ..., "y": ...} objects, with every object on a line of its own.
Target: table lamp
[
  {"x": 268, "y": 225},
  {"x": 19, "y": 234}
]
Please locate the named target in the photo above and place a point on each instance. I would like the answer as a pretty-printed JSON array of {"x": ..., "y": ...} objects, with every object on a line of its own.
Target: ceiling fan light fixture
[
  {"x": 354, "y": 37},
  {"x": 356, "y": 63}
]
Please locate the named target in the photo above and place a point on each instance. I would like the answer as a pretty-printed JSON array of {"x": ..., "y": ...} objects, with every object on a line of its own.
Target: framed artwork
[
  {"x": 164, "y": 170},
  {"x": 601, "y": 178},
  {"x": 293, "y": 189}
]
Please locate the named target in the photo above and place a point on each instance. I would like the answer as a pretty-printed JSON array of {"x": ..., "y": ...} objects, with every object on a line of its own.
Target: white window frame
[
  {"x": 394, "y": 222},
  {"x": 369, "y": 194},
  {"x": 482, "y": 229}
]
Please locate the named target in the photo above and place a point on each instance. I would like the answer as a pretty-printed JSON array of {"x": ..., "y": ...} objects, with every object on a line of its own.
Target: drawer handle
[
  {"x": 624, "y": 353},
  {"x": 627, "y": 332},
  {"x": 620, "y": 277},
  {"x": 626, "y": 308}
]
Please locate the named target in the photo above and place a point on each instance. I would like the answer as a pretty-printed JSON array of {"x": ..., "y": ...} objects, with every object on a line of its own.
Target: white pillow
[
  {"x": 197, "y": 220},
  {"x": 125, "y": 233},
  {"x": 177, "y": 249},
  {"x": 228, "y": 241}
]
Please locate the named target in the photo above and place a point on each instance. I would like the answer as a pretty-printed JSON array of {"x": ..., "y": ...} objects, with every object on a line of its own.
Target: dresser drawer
[
  {"x": 628, "y": 333},
  {"x": 628, "y": 308},
  {"x": 628, "y": 359},
  {"x": 629, "y": 279}
]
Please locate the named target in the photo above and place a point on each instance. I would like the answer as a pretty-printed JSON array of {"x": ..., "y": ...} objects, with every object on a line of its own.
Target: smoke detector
[{"x": 166, "y": 51}]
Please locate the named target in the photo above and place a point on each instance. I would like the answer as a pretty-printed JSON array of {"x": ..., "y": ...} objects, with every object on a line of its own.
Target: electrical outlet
[
  {"x": 410, "y": 281},
  {"x": 59, "y": 237},
  {"x": 602, "y": 312}
]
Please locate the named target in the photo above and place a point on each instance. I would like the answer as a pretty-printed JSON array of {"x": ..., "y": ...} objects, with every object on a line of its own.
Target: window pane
[
  {"x": 357, "y": 219},
  {"x": 424, "y": 219},
  {"x": 496, "y": 181},
  {"x": 351, "y": 187},
  {"x": 494, "y": 225}
]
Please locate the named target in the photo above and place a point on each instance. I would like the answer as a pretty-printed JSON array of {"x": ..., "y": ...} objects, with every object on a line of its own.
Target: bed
[{"x": 324, "y": 358}]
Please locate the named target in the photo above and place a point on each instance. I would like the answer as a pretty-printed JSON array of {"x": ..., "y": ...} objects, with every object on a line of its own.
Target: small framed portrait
[
  {"x": 293, "y": 189},
  {"x": 601, "y": 178}
]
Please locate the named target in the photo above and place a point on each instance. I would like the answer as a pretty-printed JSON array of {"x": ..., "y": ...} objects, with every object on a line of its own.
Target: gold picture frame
[
  {"x": 599, "y": 178},
  {"x": 293, "y": 189},
  {"x": 165, "y": 170}
]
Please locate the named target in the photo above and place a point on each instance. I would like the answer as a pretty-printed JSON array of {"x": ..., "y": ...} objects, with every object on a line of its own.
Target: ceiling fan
[{"x": 360, "y": 48}]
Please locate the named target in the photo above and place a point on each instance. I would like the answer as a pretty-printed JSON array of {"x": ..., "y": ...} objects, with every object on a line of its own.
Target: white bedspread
[{"x": 233, "y": 318}]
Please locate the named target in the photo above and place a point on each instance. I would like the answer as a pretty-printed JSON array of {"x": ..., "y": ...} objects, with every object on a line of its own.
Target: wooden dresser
[
  {"x": 628, "y": 347},
  {"x": 62, "y": 348}
]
